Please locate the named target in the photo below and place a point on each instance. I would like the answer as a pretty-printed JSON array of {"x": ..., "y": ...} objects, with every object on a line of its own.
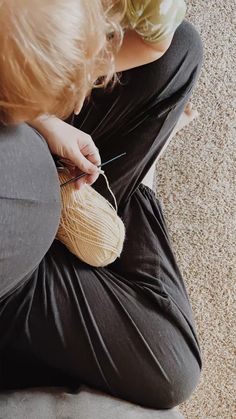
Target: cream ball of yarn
[{"x": 89, "y": 225}]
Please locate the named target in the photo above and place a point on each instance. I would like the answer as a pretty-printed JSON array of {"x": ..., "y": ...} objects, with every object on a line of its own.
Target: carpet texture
[{"x": 195, "y": 180}]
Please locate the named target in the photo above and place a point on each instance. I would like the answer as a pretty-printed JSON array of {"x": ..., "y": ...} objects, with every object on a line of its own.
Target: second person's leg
[{"x": 139, "y": 115}]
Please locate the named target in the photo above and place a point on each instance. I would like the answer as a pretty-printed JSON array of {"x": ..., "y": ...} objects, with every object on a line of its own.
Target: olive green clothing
[{"x": 155, "y": 20}]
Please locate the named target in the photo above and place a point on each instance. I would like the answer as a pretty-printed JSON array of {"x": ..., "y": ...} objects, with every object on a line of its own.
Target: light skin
[
  {"x": 135, "y": 51},
  {"x": 77, "y": 148}
]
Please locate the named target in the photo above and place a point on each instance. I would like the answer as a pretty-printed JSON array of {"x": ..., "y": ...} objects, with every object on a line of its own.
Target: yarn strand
[{"x": 108, "y": 186}]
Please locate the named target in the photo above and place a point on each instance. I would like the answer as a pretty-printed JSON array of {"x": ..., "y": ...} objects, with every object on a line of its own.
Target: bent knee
[
  {"x": 190, "y": 40},
  {"x": 181, "y": 385},
  {"x": 164, "y": 388},
  {"x": 169, "y": 394}
]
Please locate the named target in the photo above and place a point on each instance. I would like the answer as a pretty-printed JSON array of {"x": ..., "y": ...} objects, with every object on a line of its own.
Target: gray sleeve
[{"x": 29, "y": 204}]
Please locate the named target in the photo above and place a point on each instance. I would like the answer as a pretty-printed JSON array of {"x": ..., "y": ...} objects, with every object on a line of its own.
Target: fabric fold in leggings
[{"x": 128, "y": 328}]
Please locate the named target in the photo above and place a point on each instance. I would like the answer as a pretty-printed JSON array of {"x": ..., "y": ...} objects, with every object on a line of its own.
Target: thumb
[{"x": 84, "y": 164}]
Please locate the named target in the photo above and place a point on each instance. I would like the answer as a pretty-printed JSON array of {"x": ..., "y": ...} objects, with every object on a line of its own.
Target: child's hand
[{"x": 76, "y": 148}]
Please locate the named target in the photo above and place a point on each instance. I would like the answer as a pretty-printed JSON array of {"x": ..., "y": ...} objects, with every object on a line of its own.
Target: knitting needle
[{"x": 84, "y": 174}]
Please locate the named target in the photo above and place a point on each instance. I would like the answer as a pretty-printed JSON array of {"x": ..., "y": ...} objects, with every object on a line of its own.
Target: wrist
[{"x": 45, "y": 124}]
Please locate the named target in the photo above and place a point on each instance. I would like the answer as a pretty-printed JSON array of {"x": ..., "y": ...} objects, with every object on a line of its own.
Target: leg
[
  {"x": 185, "y": 118},
  {"x": 130, "y": 335},
  {"x": 139, "y": 115},
  {"x": 126, "y": 329}
]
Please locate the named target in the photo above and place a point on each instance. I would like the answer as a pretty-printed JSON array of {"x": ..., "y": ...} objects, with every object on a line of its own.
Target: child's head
[{"x": 52, "y": 52}]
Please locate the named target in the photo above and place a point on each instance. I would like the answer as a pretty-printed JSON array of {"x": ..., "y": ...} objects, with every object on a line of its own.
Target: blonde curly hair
[{"x": 53, "y": 52}]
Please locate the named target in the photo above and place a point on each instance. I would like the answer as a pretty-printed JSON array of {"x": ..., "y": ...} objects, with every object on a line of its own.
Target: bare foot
[{"x": 186, "y": 117}]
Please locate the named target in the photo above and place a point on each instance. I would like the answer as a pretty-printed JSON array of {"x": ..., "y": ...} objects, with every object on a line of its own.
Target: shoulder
[{"x": 155, "y": 20}]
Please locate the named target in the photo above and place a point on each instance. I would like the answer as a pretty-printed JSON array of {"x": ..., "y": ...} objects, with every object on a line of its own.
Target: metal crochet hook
[{"x": 84, "y": 174}]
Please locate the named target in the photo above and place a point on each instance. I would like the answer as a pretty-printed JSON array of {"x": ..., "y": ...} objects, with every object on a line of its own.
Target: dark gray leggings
[{"x": 126, "y": 329}]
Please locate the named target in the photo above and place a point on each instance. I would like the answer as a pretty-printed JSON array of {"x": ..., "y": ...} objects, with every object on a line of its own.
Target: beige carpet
[{"x": 196, "y": 182}]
